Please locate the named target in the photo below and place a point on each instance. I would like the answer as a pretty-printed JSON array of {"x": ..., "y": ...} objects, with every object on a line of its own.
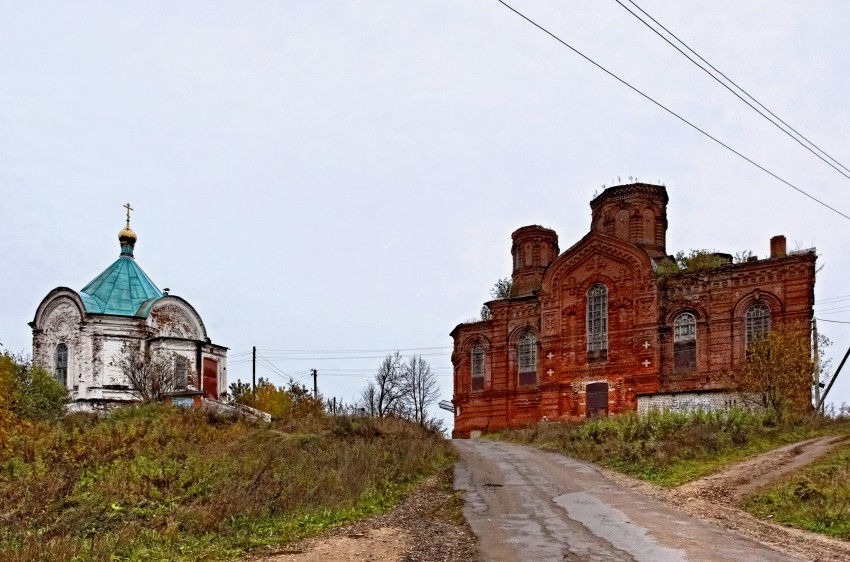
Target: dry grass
[
  {"x": 672, "y": 448},
  {"x": 152, "y": 483}
]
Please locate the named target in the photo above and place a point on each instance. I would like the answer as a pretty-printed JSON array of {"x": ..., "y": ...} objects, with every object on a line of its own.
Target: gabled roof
[{"x": 121, "y": 289}]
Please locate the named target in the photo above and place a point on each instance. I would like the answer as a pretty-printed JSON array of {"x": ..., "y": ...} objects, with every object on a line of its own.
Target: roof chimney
[{"x": 777, "y": 246}]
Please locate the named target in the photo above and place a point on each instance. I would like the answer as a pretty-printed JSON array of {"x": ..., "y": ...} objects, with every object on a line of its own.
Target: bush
[{"x": 29, "y": 392}]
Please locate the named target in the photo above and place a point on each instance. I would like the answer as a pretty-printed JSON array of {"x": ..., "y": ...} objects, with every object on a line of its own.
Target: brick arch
[
  {"x": 595, "y": 244},
  {"x": 745, "y": 302},
  {"x": 472, "y": 339},
  {"x": 518, "y": 331},
  {"x": 699, "y": 312}
]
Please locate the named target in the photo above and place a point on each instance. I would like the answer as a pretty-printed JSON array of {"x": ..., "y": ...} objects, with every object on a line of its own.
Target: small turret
[
  {"x": 534, "y": 248},
  {"x": 635, "y": 213}
]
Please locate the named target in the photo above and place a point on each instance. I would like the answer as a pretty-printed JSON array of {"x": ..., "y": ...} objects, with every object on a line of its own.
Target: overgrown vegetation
[
  {"x": 285, "y": 404},
  {"x": 777, "y": 373},
  {"x": 693, "y": 261},
  {"x": 671, "y": 448},
  {"x": 500, "y": 290},
  {"x": 152, "y": 483},
  {"x": 815, "y": 498},
  {"x": 27, "y": 393}
]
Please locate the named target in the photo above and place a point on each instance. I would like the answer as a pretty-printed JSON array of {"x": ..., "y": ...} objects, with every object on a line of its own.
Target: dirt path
[
  {"x": 715, "y": 498},
  {"x": 425, "y": 527}
]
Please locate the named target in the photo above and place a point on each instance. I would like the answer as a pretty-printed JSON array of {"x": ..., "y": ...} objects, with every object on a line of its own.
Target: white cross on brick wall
[
  {"x": 550, "y": 372},
  {"x": 646, "y": 363},
  {"x": 646, "y": 345},
  {"x": 550, "y": 356}
]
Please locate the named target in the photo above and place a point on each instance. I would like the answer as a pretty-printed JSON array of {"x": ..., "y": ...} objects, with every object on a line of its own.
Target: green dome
[{"x": 120, "y": 289}]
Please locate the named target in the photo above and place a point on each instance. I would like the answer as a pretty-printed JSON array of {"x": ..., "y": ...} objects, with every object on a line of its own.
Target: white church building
[{"x": 81, "y": 335}]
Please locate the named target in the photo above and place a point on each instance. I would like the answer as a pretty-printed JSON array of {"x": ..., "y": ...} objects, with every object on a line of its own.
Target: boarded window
[
  {"x": 477, "y": 367},
  {"x": 621, "y": 224},
  {"x": 685, "y": 343},
  {"x": 649, "y": 226},
  {"x": 756, "y": 322},
  {"x": 597, "y": 399},
  {"x": 181, "y": 372},
  {"x": 527, "y": 352},
  {"x": 60, "y": 368},
  {"x": 597, "y": 322}
]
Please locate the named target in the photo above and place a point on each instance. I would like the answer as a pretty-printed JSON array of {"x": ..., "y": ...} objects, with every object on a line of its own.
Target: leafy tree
[
  {"x": 282, "y": 402},
  {"x": 502, "y": 289},
  {"x": 422, "y": 390},
  {"x": 777, "y": 372},
  {"x": 150, "y": 377},
  {"x": 240, "y": 392},
  {"x": 28, "y": 392}
]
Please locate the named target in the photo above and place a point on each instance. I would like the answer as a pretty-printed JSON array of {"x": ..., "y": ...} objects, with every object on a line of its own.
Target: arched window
[
  {"x": 527, "y": 353},
  {"x": 756, "y": 322},
  {"x": 60, "y": 368},
  {"x": 597, "y": 322},
  {"x": 477, "y": 367},
  {"x": 685, "y": 342},
  {"x": 181, "y": 372}
]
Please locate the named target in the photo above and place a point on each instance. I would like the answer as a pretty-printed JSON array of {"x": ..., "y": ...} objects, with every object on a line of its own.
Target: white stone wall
[{"x": 689, "y": 401}]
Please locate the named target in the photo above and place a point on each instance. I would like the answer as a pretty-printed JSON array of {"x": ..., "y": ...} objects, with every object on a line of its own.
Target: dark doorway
[
  {"x": 210, "y": 378},
  {"x": 597, "y": 399}
]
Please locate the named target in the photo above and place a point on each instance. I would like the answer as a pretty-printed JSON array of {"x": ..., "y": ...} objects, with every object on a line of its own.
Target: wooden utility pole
[
  {"x": 254, "y": 374},
  {"x": 315, "y": 386}
]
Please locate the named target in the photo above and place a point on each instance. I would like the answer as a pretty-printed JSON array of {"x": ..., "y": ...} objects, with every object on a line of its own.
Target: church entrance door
[
  {"x": 597, "y": 399},
  {"x": 210, "y": 378}
]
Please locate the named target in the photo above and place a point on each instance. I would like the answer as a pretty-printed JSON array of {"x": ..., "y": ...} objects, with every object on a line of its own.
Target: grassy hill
[{"x": 153, "y": 483}]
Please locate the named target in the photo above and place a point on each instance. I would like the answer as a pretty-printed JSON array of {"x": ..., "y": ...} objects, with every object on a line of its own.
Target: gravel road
[{"x": 529, "y": 505}]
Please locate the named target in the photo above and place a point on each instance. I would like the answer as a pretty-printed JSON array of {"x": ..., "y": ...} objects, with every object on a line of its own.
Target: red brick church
[{"x": 594, "y": 330}]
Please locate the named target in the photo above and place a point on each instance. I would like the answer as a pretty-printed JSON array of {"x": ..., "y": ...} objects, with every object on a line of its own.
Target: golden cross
[{"x": 129, "y": 208}]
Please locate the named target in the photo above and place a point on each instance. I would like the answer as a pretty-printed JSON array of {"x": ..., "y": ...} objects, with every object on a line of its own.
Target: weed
[
  {"x": 670, "y": 448},
  {"x": 151, "y": 483}
]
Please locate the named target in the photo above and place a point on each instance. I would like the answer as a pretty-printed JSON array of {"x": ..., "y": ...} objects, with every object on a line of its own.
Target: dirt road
[{"x": 532, "y": 505}]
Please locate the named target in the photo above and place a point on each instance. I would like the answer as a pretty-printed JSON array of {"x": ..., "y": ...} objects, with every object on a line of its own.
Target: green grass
[
  {"x": 816, "y": 498},
  {"x": 671, "y": 448},
  {"x": 159, "y": 484}
]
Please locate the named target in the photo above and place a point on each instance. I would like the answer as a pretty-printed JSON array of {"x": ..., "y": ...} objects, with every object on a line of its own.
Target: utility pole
[
  {"x": 315, "y": 387},
  {"x": 254, "y": 374}
]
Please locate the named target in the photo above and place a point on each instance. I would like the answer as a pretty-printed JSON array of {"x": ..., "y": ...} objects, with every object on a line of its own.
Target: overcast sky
[{"x": 346, "y": 175}]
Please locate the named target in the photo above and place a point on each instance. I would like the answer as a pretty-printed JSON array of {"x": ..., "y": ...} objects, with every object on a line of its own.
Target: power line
[
  {"x": 756, "y": 109},
  {"x": 389, "y": 350},
  {"x": 832, "y": 321},
  {"x": 670, "y": 111}
]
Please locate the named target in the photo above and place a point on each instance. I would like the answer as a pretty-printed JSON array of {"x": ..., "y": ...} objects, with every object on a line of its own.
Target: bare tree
[
  {"x": 150, "y": 377},
  {"x": 386, "y": 392},
  {"x": 369, "y": 399},
  {"x": 421, "y": 388}
]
